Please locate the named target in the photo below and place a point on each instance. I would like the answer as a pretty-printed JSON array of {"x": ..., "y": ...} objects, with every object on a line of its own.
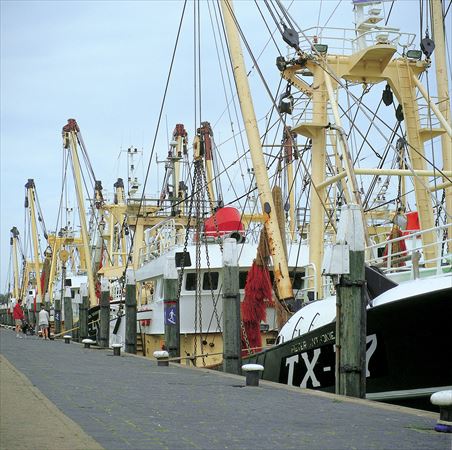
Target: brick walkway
[{"x": 128, "y": 402}]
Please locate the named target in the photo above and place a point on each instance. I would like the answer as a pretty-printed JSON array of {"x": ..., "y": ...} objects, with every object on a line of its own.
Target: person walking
[
  {"x": 18, "y": 316},
  {"x": 43, "y": 321}
]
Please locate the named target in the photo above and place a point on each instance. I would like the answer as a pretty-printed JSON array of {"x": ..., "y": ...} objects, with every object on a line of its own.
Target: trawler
[
  {"x": 409, "y": 282},
  {"x": 283, "y": 234}
]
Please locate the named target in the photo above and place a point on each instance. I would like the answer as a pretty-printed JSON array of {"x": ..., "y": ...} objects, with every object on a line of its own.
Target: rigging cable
[
  {"x": 140, "y": 205},
  {"x": 231, "y": 12},
  {"x": 227, "y": 59}
]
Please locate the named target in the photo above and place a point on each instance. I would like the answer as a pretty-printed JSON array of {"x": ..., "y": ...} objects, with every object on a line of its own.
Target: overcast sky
[{"x": 105, "y": 63}]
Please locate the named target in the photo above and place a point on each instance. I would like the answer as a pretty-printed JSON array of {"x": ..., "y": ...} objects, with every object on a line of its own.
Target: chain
[
  {"x": 199, "y": 212},
  {"x": 182, "y": 268},
  {"x": 245, "y": 336},
  {"x": 214, "y": 301},
  {"x": 220, "y": 242},
  {"x": 187, "y": 232}
]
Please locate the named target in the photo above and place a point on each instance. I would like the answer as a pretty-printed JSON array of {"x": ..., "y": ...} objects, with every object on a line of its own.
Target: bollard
[
  {"x": 443, "y": 399},
  {"x": 252, "y": 374},
  {"x": 87, "y": 343},
  {"x": 232, "y": 359},
  {"x": 162, "y": 357},
  {"x": 116, "y": 349},
  {"x": 67, "y": 339},
  {"x": 83, "y": 311},
  {"x": 171, "y": 308},
  {"x": 131, "y": 313},
  {"x": 68, "y": 313},
  {"x": 104, "y": 314}
]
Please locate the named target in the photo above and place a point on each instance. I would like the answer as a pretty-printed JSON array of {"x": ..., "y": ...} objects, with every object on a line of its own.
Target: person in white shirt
[{"x": 43, "y": 321}]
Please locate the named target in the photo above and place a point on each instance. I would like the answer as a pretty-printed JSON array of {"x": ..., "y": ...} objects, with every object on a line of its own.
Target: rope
[{"x": 140, "y": 205}]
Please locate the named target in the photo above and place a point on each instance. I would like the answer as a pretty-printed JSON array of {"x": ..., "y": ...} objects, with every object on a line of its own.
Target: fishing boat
[
  {"x": 346, "y": 97},
  {"x": 407, "y": 303},
  {"x": 408, "y": 275}
]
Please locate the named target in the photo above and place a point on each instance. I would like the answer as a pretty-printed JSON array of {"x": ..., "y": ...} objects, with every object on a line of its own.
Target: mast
[
  {"x": 316, "y": 131},
  {"x": 70, "y": 142},
  {"x": 442, "y": 82},
  {"x": 205, "y": 133},
  {"x": 14, "y": 237},
  {"x": 281, "y": 271},
  {"x": 34, "y": 234},
  {"x": 180, "y": 138}
]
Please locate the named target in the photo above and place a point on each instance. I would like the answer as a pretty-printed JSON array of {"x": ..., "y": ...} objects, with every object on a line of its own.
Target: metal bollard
[
  {"x": 116, "y": 349},
  {"x": 252, "y": 374},
  {"x": 443, "y": 399},
  {"x": 162, "y": 357},
  {"x": 67, "y": 338},
  {"x": 87, "y": 343}
]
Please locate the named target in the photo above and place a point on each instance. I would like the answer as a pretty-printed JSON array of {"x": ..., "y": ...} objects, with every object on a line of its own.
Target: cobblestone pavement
[
  {"x": 128, "y": 402},
  {"x": 28, "y": 420}
]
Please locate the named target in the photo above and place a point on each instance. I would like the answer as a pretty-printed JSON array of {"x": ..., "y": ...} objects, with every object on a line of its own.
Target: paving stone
[{"x": 130, "y": 403}]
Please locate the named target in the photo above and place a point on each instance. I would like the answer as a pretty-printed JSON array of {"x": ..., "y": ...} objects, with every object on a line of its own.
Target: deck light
[
  {"x": 415, "y": 55},
  {"x": 321, "y": 48}
]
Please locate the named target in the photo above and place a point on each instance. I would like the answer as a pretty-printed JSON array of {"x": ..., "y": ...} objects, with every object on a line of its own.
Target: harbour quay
[{"x": 58, "y": 396}]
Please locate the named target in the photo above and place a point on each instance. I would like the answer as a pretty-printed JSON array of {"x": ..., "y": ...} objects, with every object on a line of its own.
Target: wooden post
[
  {"x": 27, "y": 309},
  {"x": 68, "y": 316},
  {"x": 351, "y": 307},
  {"x": 171, "y": 308},
  {"x": 47, "y": 308},
  {"x": 104, "y": 314},
  {"x": 131, "y": 313},
  {"x": 57, "y": 312},
  {"x": 232, "y": 360},
  {"x": 83, "y": 312}
]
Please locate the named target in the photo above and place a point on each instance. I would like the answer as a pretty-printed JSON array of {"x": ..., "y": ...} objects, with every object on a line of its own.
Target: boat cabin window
[
  {"x": 190, "y": 282},
  {"x": 297, "y": 280},
  {"x": 210, "y": 281},
  {"x": 242, "y": 279}
]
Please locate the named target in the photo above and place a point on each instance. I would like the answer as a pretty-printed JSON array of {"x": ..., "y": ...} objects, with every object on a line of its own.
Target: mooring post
[
  {"x": 68, "y": 316},
  {"x": 351, "y": 307},
  {"x": 47, "y": 308},
  {"x": 131, "y": 313},
  {"x": 31, "y": 314},
  {"x": 171, "y": 308},
  {"x": 83, "y": 312},
  {"x": 232, "y": 360},
  {"x": 57, "y": 312},
  {"x": 104, "y": 314}
]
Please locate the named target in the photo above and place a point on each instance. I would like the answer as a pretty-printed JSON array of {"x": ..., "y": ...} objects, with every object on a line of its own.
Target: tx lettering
[
  {"x": 310, "y": 365},
  {"x": 309, "y": 368}
]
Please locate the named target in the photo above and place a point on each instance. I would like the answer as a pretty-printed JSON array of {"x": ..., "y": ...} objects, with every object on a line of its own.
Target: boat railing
[
  {"x": 160, "y": 238},
  {"x": 344, "y": 41},
  {"x": 400, "y": 251},
  {"x": 427, "y": 117}
]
